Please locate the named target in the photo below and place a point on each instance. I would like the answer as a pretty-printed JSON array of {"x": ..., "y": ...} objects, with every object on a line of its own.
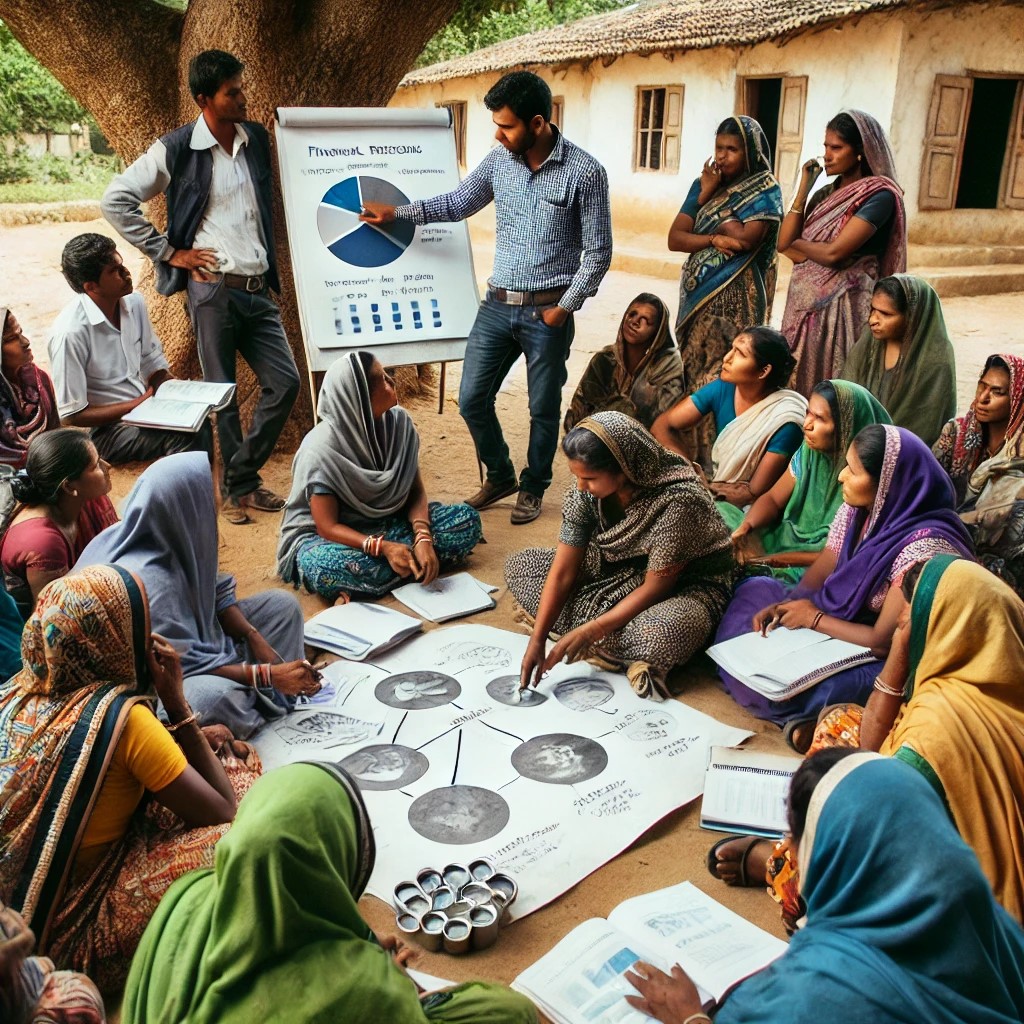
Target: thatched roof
[{"x": 656, "y": 26}]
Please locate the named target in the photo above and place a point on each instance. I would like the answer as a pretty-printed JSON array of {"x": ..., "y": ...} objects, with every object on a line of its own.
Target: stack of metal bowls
[{"x": 457, "y": 908}]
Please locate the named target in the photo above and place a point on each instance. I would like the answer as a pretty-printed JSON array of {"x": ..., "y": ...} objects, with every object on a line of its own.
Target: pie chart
[{"x": 350, "y": 240}]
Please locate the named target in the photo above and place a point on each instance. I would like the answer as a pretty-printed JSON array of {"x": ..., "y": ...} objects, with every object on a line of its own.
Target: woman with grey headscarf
[
  {"x": 850, "y": 234},
  {"x": 357, "y": 519}
]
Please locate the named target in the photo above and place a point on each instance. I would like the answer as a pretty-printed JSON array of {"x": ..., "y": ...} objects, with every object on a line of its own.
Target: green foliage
[
  {"x": 31, "y": 99},
  {"x": 480, "y": 23},
  {"x": 49, "y": 178}
]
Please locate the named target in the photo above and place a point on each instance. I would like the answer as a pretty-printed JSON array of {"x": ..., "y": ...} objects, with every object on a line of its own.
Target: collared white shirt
[
  {"x": 231, "y": 221},
  {"x": 93, "y": 362}
]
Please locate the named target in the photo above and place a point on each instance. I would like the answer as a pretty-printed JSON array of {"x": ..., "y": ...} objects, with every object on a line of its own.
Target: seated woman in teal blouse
[{"x": 758, "y": 421}]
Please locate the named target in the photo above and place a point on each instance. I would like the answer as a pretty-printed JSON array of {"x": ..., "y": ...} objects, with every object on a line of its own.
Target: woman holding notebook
[
  {"x": 358, "y": 520},
  {"x": 898, "y": 508}
]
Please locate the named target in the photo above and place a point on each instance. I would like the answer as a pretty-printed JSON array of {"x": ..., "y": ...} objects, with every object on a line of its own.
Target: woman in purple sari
[
  {"x": 851, "y": 233},
  {"x": 898, "y": 509}
]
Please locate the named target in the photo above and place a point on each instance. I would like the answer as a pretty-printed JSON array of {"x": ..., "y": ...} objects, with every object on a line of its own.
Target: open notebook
[
  {"x": 747, "y": 791},
  {"x": 582, "y": 980},
  {"x": 181, "y": 405},
  {"x": 786, "y": 661},
  {"x": 357, "y": 630}
]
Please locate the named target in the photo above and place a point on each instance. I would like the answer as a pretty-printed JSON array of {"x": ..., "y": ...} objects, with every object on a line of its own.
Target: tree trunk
[{"x": 127, "y": 61}]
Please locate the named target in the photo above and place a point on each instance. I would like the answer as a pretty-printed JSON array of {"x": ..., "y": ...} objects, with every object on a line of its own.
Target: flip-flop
[
  {"x": 789, "y": 733},
  {"x": 712, "y": 860}
]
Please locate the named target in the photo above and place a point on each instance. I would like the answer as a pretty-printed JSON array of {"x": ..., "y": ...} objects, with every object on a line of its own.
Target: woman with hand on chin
[
  {"x": 905, "y": 358},
  {"x": 757, "y": 418},
  {"x": 357, "y": 520},
  {"x": 897, "y": 510},
  {"x": 643, "y": 566},
  {"x": 28, "y": 406}
]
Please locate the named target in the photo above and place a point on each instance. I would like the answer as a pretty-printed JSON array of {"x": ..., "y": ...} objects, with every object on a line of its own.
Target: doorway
[
  {"x": 988, "y": 128},
  {"x": 763, "y": 100}
]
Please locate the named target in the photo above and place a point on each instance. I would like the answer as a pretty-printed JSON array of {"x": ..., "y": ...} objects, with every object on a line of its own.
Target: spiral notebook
[
  {"x": 746, "y": 791},
  {"x": 786, "y": 661}
]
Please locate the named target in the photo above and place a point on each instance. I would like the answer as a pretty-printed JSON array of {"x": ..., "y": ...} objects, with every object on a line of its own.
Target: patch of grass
[
  {"x": 49, "y": 179},
  {"x": 51, "y": 192}
]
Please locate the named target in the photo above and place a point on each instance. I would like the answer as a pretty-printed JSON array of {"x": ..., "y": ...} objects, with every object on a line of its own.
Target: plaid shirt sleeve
[
  {"x": 474, "y": 192},
  {"x": 596, "y": 225}
]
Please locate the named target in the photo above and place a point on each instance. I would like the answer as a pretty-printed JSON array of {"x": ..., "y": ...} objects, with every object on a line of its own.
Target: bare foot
[{"x": 741, "y": 861}]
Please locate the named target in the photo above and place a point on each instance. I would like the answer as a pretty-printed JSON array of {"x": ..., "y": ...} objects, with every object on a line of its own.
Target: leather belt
[
  {"x": 252, "y": 285},
  {"x": 511, "y": 298}
]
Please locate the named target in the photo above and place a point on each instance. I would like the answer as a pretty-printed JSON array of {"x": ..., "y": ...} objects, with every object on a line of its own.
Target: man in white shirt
[
  {"x": 216, "y": 176},
  {"x": 106, "y": 359}
]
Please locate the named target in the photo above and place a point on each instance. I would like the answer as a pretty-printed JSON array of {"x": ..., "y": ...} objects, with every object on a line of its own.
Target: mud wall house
[{"x": 644, "y": 87}]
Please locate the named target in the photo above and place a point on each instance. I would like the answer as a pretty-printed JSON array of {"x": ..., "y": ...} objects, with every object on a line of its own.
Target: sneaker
[
  {"x": 234, "y": 513},
  {"x": 262, "y": 500},
  {"x": 490, "y": 493},
  {"x": 527, "y": 508}
]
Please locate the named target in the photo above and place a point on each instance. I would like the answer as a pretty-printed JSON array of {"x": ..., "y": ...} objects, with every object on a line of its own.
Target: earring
[
  {"x": 858, "y": 158},
  {"x": 74, "y": 494}
]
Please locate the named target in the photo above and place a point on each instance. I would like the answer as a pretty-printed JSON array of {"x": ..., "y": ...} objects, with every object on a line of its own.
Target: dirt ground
[{"x": 30, "y": 283}]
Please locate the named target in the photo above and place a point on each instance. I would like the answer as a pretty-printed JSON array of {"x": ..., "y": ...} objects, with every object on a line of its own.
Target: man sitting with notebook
[{"x": 106, "y": 359}]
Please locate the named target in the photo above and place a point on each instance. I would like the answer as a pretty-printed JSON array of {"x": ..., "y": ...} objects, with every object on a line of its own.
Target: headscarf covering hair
[
  {"x": 920, "y": 391},
  {"x": 168, "y": 537},
  {"x": 84, "y": 654},
  {"x": 368, "y": 464},
  {"x": 964, "y": 714},
  {"x": 877, "y": 150},
  {"x": 962, "y": 444},
  {"x": 275, "y": 923},
  {"x": 901, "y": 923},
  {"x": 914, "y": 505},
  {"x": 28, "y": 406}
]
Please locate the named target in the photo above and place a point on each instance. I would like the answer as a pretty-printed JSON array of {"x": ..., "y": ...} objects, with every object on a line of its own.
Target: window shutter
[
  {"x": 1013, "y": 192},
  {"x": 944, "y": 142},
  {"x": 673, "y": 127},
  {"x": 791, "y": 134}
]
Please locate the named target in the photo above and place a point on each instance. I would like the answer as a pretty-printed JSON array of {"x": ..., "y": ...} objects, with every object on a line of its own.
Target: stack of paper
[
  {"x": 358, "y": 630},
  {"x": 448, "y": 597}
]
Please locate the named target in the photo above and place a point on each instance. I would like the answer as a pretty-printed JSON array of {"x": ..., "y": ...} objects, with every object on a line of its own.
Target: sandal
[
  {"x": 801, "y": 744},
  {"x": 743, "y": 879}
]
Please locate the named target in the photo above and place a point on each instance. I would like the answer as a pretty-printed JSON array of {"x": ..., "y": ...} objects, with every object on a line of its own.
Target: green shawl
[
  {"x": 919, "y": 392},
  {"x": 273, "y": 932},
  {"x": 817, "y": 493}
]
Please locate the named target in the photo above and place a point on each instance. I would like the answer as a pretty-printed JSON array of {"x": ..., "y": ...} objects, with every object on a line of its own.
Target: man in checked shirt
[{"x": 553, "y": 246}]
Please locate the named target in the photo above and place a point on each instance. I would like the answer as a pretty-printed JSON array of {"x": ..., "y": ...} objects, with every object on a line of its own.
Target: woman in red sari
[
  {"x": 27, "y": 403},
  {"x": 850, "y": 234}
]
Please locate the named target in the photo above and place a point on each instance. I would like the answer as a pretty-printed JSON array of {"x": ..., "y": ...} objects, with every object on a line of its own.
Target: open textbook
[
  {"x": 181, "y": 405},
  {"x": 357, "y": 630},
  {"x": 448, "y": 597},
  {"x": 747, "y": 791},
  {"x": 786, "y": 661},
  {"x": 582, "y": 980}
]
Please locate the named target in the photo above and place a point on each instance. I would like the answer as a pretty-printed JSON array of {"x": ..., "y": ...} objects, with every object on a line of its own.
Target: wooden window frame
[
  {"x": 458, "y": 111},
  {"x": 670, "y": 135},
  {"x": 558, "y": 111}
]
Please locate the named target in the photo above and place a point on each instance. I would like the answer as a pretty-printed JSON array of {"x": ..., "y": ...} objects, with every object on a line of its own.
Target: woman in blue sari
[
  {"x": 901, "y": 924},
  {"x": 728, "y": 223}
]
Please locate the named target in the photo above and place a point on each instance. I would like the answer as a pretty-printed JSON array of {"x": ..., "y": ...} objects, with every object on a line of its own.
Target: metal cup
[
  {"x": 485, "y": 925},
  {"x": 460, "y": 909},
  {"x": 476, "y": 893},
  {"x": 457, "y": 935},
  {"x": 429, "y": 879},
  {"x": 456, "y": 875},
  {"x": 408, "y": 924},
  {"x": 441, "y": 898},
  {"x": 504, "y": 885},
  {"x": 410, "y": 898},
  {"x": 481, "y": 869},
  {"x": 431, "y": 936}
]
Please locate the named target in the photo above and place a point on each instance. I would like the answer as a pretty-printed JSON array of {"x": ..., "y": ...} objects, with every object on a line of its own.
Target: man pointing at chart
[{"x": 552, "y": 248}]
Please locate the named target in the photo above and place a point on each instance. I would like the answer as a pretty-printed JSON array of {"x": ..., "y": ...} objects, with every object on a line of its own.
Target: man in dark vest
[{"x": 219, "y": 245}]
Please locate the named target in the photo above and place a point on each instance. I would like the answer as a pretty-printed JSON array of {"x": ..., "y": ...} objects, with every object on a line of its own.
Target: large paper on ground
[{"x": 452, "y": 768}]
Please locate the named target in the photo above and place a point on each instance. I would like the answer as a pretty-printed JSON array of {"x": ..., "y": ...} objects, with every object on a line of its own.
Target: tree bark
[{"x": 126, "y": 61}]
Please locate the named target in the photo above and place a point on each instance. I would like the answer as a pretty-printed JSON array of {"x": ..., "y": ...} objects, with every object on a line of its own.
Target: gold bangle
[
  {"x": 883, "y": 687},
  {"x": 194, "y": 717}
]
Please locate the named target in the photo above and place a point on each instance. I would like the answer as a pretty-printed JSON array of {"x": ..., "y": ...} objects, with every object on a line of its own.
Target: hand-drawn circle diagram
[
  {"x": 583, "y": 694},
  {"x": 505, "y": 690},
  {"x": 385, "y": 766},
  {"x": 459, "y": 815},
  {"x": 560, "y": 758},
  {"x": 417, "y": 691},
  {"x": 649, "y": 725},
  {"x": 347, "y": 237}
]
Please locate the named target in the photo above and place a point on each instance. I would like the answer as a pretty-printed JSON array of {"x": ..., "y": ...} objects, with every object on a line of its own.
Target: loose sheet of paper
[{"x": 453, "y": 768}]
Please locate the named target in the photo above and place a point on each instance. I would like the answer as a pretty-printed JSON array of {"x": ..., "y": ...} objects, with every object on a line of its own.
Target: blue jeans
[{"x": 500, "y": 333}]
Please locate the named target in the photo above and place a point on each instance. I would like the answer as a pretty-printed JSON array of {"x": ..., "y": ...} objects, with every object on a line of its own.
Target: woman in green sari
[
  {"x": 273, "y": 930},
  {"x": 787, "y": 526}
]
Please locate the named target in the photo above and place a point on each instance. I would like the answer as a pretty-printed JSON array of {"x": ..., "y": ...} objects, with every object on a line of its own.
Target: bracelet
[
  {"x": 266, "y": 678},
  {"x": 425, "y": 522},
  {"x": 423, "y": 540},
  {"x": 700, "y": 1015},
  {"x": 373, "y": 544},
  {"x": 194, "y": 717},
  {"x": 711, "y": 239},
  {"x": 798, "y": 210},
  {"x": 883, "y": 687},
  {"x": 816, "y": 620}
]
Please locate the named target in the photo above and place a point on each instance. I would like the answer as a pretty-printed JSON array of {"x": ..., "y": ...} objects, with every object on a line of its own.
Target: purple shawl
[{"x": 916, "y": 504}]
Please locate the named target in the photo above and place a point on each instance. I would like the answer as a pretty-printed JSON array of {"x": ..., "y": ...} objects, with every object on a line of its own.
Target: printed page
[
  {"x": 715, "y": 947},
  {"x": 582, "y": 980},
  {"x": 747, "y": 791},
  {"x": 354, "y": 630},
  {"x": 167, "y": 413},
  {"x": 809, "y": 661},
  {"x": 750, "y": 652},
  {"x": 447, "y": 597},
  {"x": 212, "y": 393}
]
